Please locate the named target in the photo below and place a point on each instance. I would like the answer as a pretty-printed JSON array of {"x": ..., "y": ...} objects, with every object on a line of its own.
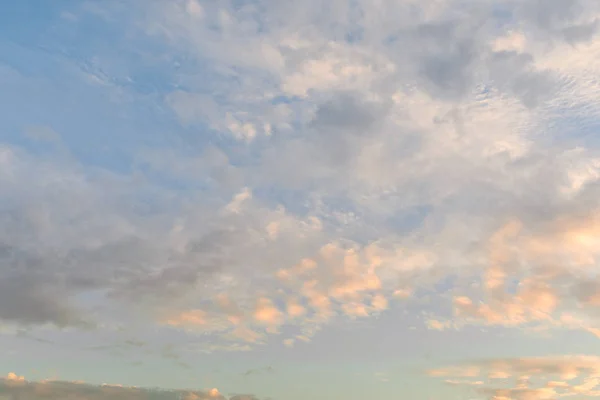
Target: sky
[{"x": 291, "y": 200}]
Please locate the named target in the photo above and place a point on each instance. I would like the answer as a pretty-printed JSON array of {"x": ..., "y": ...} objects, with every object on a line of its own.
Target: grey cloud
[
  {"x": 561, "y": 19},
  {"x": 449, "y": 74},
  {"x": 59, "y": 390},
  {"x": 513, "y": 73},
  {"x": 342, "y": 126},
  {"x": 580, "y": 33},
  {"x": 340, "y": 150},
  {"x": 166, "y": 285},
  {"x": 93, "y": 238},
  {"x": 444, "y": 56},
  {"x": 550, "y": 13},
  {"x": 31, "y": 294},
  {"x": 143, "y": 272},
  {"x": 32, "y": 300},
  {"x": 452, "y": 58},
  {"x": 38, "y": 285},
  {"x": 57, "y": 247},
  {"x": 585, "y": 290},
  {"x": 448, "y": 59},
  {"x": 346, "y": 111}
]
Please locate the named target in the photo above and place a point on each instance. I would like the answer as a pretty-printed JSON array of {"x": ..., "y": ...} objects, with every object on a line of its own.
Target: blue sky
[{"x": 290, "y": 200}]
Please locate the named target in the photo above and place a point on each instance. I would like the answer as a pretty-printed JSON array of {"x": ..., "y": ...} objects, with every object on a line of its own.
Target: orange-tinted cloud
[{"x": 531, "y": 378}]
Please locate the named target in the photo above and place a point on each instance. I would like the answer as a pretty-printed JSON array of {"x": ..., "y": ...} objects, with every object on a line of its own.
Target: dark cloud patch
[
  {"x": 192, "y": 268},
  {"x": 30, "y": 301},
  {"x": 449, "y": 74},
  {"x": 445, "y": 54},
  {"x": 331, "y": 143},
  {"x": 586, "y": 290},
  {"x": 71, "y": 236},
  {"x": 342, "y": 126},
  {"x": 31, "y": 293},
  {"x": 513, "y": 72},
  {"x": 346, "y": 111},
  {"x": 38, "y": 286}
]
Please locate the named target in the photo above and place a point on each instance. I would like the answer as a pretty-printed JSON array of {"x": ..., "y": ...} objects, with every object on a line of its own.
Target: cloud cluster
[
  {"x": 527, "y": 378},
  {"x": 536, "y": 277},
  {"x": 330, "y": 157}
]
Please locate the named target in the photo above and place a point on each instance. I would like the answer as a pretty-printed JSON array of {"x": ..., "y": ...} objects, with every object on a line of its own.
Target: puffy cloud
[
  {"x": 193, "y": 317},
  {"x": 14, "y": 377},
  {"x": 294, "y": 309},
  {"x": 236, "y": 203},
  {"x": 13, "y": 380},
  {"x": 436, "y": 325},
  {"x": 266, "y": 313},
  {"x": 551, "y": 265}
]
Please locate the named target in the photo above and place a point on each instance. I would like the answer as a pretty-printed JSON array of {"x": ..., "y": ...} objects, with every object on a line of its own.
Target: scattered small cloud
[{"x": 527, "y": 378}]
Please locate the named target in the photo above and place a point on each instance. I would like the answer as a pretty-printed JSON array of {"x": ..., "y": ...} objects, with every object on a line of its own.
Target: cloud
[
  {"x": 572, "y": 21},
  {"x": 321, "y": 167},
  {"x": 255, "y": 371},
  {"x": 528, "y": 378},
  {"x": 16, "y": 385},
  {"x": 243, "y": 174},
  {"x": 267, "y": 313},
  {"x": 547, "y": 293},
  {"x": 52, "y": 389},
  {"x": 13, "y": 379}
]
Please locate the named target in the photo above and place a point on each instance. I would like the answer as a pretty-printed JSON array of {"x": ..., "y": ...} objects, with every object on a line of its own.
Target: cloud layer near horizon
[
  {"x": 528, "y": 378},
  {"x": 14, "y": 387}
]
